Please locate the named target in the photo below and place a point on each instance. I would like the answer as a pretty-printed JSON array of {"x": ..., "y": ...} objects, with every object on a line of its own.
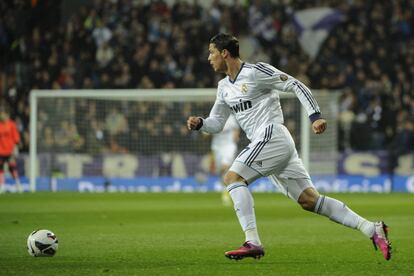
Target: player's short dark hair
[{"x": 225, "y": 41}]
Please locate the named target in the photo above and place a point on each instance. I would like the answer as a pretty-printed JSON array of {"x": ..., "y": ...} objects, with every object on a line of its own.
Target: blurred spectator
[
  {"x": 116, "y": 126},
  {"x": 115, "y": 123},
  {"x": 67, "y": 138},
  {"x": 101, "y": 34},
  {"x": 104, "y": 55},
  {"x": 403, "y": 141}
]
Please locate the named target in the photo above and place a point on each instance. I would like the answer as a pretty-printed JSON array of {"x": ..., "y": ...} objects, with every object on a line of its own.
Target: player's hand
[
  {"x": 319, "y": 126},
  {"x": 193, "y": 122}
]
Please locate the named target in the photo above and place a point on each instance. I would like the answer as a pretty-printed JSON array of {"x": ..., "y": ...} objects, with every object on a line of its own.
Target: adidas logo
[{"x": 259, "y": 163}]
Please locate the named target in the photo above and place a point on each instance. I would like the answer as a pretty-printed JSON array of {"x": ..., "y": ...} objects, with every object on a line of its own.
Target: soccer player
[
  {"x": 224, "y": 147},
  {"x": 9, "y": 139},
  {"x": 248, "y": 92}
]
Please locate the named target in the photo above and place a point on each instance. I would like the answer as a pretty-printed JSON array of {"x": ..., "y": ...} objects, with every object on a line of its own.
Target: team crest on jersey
[
  {"x": 283, "y": 77},
  {"x": 244, "y": 88}
]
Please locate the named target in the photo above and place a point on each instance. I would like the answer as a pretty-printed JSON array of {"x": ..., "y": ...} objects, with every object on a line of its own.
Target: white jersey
[
  {"x": 252, "y": 98},
  {"x": 226, "y": 137}
]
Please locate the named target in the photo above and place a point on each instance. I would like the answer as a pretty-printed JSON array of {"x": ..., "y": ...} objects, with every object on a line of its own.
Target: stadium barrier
[
  {"x": 340, "y": 183},
  {"x": 358, "y": 172}
]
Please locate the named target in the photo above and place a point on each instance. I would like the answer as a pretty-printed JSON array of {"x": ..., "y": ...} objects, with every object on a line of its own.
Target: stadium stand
[{"x": 135, "y": 44}]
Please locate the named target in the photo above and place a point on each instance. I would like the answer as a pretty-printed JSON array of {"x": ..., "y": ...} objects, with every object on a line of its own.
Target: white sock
[
  {"x": 244, "y": 206},
  {"x": 337, "y": 211},
  {"x": 367, "y": 227}
]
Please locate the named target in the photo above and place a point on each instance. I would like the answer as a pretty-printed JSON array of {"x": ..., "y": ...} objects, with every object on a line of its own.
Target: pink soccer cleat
[
  {"x": 246, "y": 250},
  {"x": 380, "y": 239}
]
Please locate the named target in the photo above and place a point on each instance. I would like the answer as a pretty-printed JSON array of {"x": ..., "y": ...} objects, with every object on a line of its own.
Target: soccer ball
[{"x": 42, "y": 243}]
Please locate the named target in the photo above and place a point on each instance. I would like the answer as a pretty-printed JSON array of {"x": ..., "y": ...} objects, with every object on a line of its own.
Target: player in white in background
[
  {"x": 248, "y": 92},
  {"x": 224, "y": 147}
]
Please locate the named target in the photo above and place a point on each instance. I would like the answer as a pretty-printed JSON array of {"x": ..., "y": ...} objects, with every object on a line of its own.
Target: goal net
[{"x": 141, "y": 136}]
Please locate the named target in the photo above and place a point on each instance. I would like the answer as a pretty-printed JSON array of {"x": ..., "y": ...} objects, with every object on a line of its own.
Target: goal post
[{"x": 64, "y": 125}]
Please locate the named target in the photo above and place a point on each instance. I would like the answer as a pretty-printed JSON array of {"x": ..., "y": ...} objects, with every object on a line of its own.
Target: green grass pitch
[{"x": 187, "y": 234}]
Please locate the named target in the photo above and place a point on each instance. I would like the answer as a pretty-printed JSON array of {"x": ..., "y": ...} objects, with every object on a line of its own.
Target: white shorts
[{"x": 274, "y": 155}]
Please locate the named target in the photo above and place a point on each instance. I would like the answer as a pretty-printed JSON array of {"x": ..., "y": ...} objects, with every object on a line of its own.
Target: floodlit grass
[{"x": 187, "y": 234}]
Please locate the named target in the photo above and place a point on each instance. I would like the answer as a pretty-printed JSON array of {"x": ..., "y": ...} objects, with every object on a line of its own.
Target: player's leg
[
  {"x": 244, "y": 207},
  {"x": 339, "y": 212},
  {"x": 335, "y": 210},
  {"x": 303, "y": 191},
  {"x": 236, "y": 179},
  {"x": 258, "y": 159},
  {"x": 14, "y": 173},
  {"x": 295, "y": 181}
]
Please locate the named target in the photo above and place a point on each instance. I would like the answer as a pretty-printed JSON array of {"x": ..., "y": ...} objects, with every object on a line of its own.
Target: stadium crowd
[{"x": 368, "y": 57}]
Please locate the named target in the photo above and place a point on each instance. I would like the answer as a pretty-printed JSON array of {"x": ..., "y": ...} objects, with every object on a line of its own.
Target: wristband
[
  {"x": 315, "y": 116},
  {"x": 200, "y": 124}
]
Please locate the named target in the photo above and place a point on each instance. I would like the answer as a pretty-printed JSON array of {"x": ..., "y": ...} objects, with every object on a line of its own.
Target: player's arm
[
  {"x": 307, "y": 100},
  {"x": 214, "y": 123},
  {"x": 268, "y": 75}
]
